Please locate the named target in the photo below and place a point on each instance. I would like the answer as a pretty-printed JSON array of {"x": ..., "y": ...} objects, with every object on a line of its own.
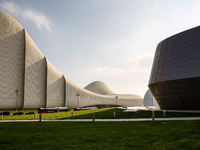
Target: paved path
[{"x": 109, "y": 120}]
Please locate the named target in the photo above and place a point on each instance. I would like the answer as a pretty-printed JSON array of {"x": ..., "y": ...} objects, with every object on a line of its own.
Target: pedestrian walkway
[{"x": 109, "y": 120}]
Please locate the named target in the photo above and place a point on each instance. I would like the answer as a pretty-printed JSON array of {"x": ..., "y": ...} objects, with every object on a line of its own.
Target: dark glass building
[{"x": 175, "y": 75}]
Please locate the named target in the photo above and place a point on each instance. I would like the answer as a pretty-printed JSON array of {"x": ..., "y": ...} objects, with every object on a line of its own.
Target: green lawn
[
  {"x": 159, "y": 135},
  {"x": 109, "y": 114},
  {"x": 104, "y": 113}
]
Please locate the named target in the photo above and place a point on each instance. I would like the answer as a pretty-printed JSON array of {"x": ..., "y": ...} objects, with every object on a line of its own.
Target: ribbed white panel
[
  {"x": 35, "y": 76},
  {"x": 11, "y": 62},
  {"x": 55, "y": 87}
]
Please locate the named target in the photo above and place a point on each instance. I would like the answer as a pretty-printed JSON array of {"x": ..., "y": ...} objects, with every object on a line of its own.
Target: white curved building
[
  {"x": 149, "y": 100},
  {"x": 39, "y": 83},
  {"x": 99, "y": 87}
]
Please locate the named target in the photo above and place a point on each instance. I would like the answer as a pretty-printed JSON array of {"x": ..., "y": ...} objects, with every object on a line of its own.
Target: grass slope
[{"x": 100, "y": 135}]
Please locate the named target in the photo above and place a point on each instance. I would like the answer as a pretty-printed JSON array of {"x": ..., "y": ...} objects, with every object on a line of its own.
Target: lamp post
[
  {"x": 77, "y": 99},
  {"x": 116, "y": 100},
  {"x": 16, "y": 91}
]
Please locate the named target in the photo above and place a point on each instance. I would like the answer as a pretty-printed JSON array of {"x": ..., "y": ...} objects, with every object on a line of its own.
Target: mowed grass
[
  {"x": 104, "y": 113},
  {"x": 157, "y": 135},
  {"x": 109, "y": 114}
]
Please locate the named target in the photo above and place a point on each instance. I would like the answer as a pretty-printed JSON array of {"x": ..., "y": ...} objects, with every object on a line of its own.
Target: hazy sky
[{"x": 113, "y": 41}]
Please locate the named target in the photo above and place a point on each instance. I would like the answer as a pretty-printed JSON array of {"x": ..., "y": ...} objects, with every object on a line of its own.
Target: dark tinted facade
[{"x": 175, "y": 75}]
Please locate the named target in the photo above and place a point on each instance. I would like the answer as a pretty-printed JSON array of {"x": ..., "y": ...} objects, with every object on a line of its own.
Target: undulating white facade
[{"x": 39, "y": 83}]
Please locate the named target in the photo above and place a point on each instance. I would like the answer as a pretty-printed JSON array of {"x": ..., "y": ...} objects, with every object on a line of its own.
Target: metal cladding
[
  {"x": 55, "y": 87},
  {"x": 35, "y": 76},
  {"x": 175, "y": 75},
  {"x": 11, "y": 62},
  {"x": 39, "y": 83}
]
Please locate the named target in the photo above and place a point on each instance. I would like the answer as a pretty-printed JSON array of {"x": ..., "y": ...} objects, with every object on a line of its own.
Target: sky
[{"x": 112, "y": 41}]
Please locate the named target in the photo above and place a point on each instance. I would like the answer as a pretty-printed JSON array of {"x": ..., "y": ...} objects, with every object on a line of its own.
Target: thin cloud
[
  {"x": 11, "y": 7},
  {"x": 38, "y": 18},
  {"x": 141, "y": 64}
]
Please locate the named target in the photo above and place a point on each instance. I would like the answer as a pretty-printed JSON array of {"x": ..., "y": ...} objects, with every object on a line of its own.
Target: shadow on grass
[{"x": 109, "y": 114}]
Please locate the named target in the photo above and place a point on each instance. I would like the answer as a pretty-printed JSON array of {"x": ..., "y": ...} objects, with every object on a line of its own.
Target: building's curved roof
[
  {"x": 99, "y": 87},
  {"x": 175, "y": 75}
]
